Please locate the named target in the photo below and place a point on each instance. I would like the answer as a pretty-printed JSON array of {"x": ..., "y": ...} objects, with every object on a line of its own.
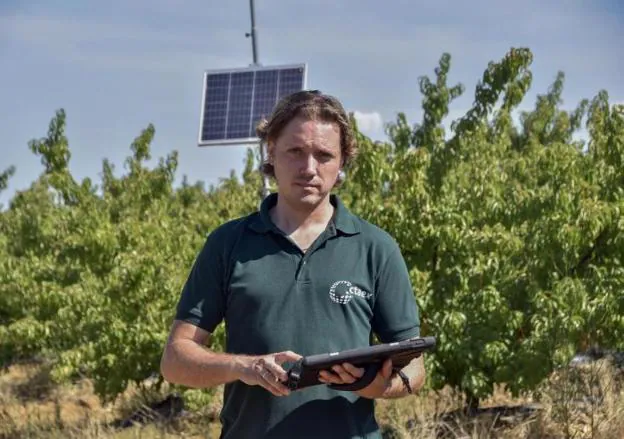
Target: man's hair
[{"x": 311, "y": 105}]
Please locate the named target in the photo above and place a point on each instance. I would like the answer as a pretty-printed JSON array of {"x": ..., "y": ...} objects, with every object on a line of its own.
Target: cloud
[{"x": 369, "y": 122}]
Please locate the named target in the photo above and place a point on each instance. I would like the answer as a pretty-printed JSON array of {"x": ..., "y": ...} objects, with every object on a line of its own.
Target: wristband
[{"x": 405, "y": 380}]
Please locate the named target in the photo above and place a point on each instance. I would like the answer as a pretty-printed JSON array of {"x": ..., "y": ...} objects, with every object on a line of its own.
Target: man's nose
[{"x": 309, "y": 165}]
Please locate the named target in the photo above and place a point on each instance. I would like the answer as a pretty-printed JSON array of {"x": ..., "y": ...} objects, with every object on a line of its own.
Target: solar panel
[{"x": 235, "y": 100}]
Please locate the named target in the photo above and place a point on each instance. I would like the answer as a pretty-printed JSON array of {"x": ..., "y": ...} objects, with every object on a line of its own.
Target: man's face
[{"x": 306, "y": 158}]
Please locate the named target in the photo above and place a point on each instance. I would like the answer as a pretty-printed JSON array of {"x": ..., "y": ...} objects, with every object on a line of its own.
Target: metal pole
[
  {"x": 265, "y": 179},
  {"x": 254, "y": 46}
]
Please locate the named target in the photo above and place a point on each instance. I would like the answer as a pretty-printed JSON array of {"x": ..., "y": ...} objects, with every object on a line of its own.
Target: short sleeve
[
  {"x": 395, "y": 312},
  {"x": 202, "y": 301}
]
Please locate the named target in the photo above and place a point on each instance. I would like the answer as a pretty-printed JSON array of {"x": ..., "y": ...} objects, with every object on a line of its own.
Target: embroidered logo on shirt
[{"x": 343, "y": 291}]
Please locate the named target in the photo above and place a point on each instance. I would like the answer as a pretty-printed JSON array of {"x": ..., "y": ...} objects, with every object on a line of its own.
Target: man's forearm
[
  {"x": 396, "y": 389},
  {"x": 415, "y": 374},
  {"x": 186, "y": 363}
]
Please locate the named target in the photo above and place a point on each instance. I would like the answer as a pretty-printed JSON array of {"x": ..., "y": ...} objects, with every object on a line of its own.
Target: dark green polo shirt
[{"x": 350, "y": 284}]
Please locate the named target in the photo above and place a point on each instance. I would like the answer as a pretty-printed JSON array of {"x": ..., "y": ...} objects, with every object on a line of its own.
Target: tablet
[{"x": 304, "y": 373}]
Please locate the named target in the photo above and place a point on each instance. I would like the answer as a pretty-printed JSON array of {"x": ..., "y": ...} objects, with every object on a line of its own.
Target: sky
[{"x": 117, "y": 66}]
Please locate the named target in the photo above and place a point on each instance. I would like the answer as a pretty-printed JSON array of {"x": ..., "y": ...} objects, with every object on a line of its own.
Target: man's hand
[
  {"x": 348, "y": 374},
  {"x": 380, "y": 384},
  {"x": 267, "y": 371}
]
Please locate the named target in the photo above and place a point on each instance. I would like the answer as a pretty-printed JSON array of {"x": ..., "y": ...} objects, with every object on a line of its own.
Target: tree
[
  {"x": 90, "y": 280},
  {"x": 513, "y": 234}
]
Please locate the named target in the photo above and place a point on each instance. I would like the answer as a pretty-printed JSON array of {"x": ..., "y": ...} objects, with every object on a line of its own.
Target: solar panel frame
[{"x": 241, "y": 139}]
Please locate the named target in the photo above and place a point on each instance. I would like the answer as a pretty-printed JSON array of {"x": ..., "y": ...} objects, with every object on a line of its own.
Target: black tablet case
[{"x": 305, "y": 372}]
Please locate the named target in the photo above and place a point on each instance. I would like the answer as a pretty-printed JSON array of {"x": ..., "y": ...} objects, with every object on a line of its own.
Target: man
[{"x": 302, "y": 276}]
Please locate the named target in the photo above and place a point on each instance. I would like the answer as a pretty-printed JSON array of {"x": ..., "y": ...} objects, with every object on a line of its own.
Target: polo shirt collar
[{"x": 343, "y": 219}]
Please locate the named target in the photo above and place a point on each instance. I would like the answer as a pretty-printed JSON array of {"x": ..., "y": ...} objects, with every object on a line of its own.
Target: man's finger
[
  {"x": 386, "y": 369},
  {"x": 278, "y": 389},
  {"x": 329, "y": 378},
  {"x": 275, "y": 387},
  {"x": 282, "y": 357},
  {"x": 357, "y": 372},
  {"x": 344, "y": 375},
  {"x": 277, "y": 372},
  {"x": 273, "y": 390}
]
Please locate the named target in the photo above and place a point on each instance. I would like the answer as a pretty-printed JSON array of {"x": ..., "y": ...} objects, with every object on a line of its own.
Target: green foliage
[
  {"x": 4, "y": 177},
  {"x": 90, "y": 277},
  {"x": 513, "y": 234}
]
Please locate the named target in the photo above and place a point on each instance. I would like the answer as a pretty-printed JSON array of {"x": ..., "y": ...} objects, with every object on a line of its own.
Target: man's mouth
[{"x": 307, "y": 185}]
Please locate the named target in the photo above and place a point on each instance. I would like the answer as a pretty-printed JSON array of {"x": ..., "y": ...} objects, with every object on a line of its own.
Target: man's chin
[
  {"x": 307, "y": 197},
  {"x": 310, "y": 198}
]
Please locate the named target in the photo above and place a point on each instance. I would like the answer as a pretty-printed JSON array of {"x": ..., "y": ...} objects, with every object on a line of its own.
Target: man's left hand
[{"x": 348, "y": 374}]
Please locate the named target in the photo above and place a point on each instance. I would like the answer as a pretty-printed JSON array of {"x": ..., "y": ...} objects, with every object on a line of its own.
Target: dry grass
[
  {"x": 582, "y": 402},
  {"x": 30, "y": 407}
]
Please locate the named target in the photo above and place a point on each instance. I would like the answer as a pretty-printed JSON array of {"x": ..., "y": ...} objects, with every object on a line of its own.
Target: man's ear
[
  {"x": 341, "y": 177},
  {"x": 270, "y": 149}
]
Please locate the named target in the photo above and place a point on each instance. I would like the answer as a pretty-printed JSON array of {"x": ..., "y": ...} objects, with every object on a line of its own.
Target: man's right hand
[{"x": 267, "y": 371}]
